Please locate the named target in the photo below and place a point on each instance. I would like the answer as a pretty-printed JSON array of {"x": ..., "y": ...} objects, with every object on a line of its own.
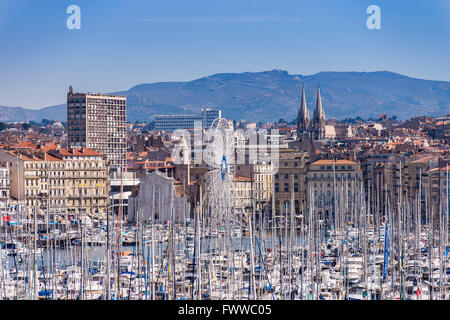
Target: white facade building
[{"x": 157, "y": 201}]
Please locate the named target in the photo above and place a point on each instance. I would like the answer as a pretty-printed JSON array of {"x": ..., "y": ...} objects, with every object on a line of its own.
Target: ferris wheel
[
  {"x": 219, "y": 157},
  {"x": 220, "y": 150}
]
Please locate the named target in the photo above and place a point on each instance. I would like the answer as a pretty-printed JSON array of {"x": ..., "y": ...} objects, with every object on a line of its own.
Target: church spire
[
  {"x": 303, "y": 115},
  {"x": 319, "y": 113},
  {"x": 319, "y": 118}
]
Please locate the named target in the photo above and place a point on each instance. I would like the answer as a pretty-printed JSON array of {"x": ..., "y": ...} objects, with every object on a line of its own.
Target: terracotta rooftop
[
  {"x": 441, "y": 169},
  {"x": 242, "y": 179},
  {"x": 337, "y": 162},
  {"x": 79, "y": 152}
]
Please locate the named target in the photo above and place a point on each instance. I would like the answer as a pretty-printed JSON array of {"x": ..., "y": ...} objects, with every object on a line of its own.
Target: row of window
[
  {"x": 330, "y": 175},
  {"x": 286, "y": 187},
  {"x": 337, "y": 168},
  {"x": 4, "y": 173},
  {"x": 62, "y": 202},
  {"x": 58, "y": 165},
  {"x": 286, "y": 176}
]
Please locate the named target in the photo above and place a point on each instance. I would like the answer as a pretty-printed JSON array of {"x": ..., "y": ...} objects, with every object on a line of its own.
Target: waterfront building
[
  {"x": 327, "y": 180},
  {"x": 158, "y": 199},
  {"x": 242, "y": 194},
  {"x": 289, "y": 183},
  {"x": 64, "y": 181},
  {"x": 122, "y": 185},
  {"x": 262, "y": 186}
]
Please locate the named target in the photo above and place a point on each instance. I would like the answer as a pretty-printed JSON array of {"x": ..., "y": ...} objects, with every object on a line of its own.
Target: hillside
[{"x": 270, "y": 95}]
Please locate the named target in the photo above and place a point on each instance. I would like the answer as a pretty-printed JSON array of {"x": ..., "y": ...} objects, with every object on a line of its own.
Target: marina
[{"x": 397, "y": 252}]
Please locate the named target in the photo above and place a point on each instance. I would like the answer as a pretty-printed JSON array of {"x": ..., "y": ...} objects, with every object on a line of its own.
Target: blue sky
[{"x": 124, "y": 43}]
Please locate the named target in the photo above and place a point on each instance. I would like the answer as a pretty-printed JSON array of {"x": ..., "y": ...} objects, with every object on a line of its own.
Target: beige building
[
  {"x": 263, "y": 186},
  {"x": 289, "y": 178},
  {"x": 438, "y": 189},
  {"x": 98, "y": 122},
  {"x": 242, "y": 194},
  {"x": 63, "y": 180},
  {"x": 328, "y": 181}
]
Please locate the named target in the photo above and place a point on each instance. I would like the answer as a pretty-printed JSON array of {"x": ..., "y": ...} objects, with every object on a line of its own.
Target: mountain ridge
[{"x": 270, "y": 95}]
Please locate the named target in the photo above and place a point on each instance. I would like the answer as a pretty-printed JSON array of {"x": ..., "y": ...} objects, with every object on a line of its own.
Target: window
[{"x": 286, "y": 206}]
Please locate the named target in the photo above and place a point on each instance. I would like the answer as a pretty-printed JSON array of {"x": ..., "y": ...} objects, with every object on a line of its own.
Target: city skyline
[
  {"x": 224, "y": 150},
  {"x": 157, "y": 42}
]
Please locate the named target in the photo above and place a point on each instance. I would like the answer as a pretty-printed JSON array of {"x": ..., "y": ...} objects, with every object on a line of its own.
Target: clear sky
[{"x": 123, "y": 43}]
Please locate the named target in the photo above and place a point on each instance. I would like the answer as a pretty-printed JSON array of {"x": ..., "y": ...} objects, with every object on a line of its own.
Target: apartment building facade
[
  {"x": 328, "y": 181},
  {"x": 64, "y": 181},
  {"x": 98, "y": 122},
  {"x": 242, "y": 194},
  {"x": 289, "y": 183},
  {"x": 262, "y": 175}
]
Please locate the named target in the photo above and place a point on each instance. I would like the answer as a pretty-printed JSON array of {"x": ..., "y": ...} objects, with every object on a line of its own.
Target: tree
[
  {"x": 3, "y": 126},
  {"x": 46, "y": 122}
]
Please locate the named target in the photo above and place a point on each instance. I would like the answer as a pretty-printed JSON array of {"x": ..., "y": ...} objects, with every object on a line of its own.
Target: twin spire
[{"x": 303, "y": 120}]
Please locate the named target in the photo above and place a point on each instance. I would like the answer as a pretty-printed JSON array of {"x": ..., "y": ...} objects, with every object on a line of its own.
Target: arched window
[
  {"x": 286, "y": 207},
  {"x": 277, "y": 207}
]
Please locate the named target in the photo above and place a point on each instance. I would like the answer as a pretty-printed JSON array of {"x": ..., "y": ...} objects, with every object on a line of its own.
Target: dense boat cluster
[{"x": 400, "y": 252}]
